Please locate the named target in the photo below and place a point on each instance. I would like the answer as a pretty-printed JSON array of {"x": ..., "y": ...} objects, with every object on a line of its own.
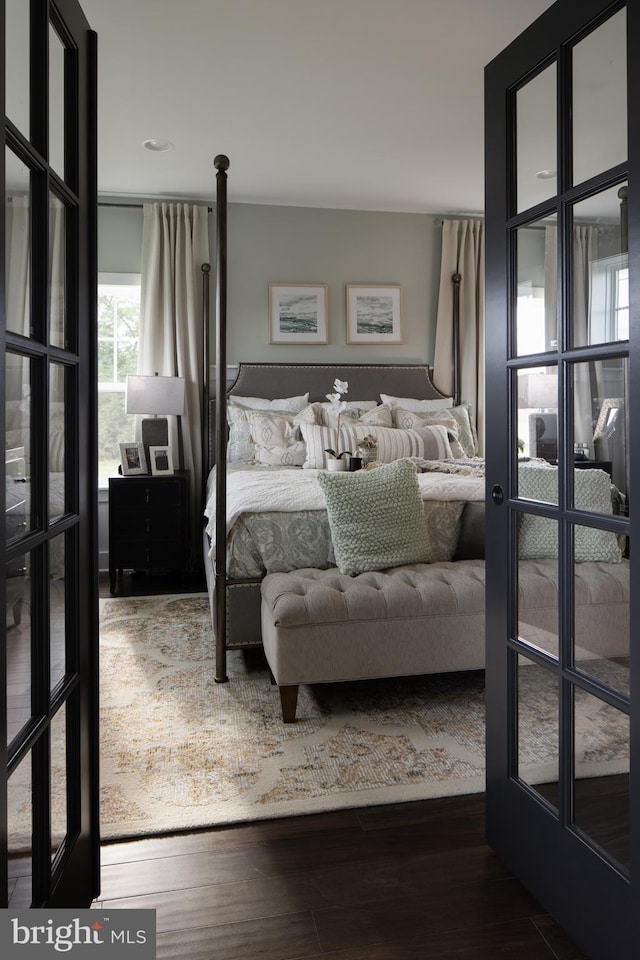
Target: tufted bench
[{"x": 320, "y": 626}]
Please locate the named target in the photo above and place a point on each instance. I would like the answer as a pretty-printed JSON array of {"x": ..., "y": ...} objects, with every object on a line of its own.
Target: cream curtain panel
[
  {"x": 175, "y": 244},
  {"x": 463, "y": 253}
]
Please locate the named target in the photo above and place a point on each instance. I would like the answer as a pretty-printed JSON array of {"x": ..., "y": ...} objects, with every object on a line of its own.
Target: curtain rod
[{"x": 138, "y": 206}]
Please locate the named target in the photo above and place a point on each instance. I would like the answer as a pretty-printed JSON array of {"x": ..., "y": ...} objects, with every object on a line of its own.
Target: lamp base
[{"x": 155, "y": 433}]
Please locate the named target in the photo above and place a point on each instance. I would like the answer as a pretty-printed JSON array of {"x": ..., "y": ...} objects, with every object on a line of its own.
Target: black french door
[
  {"x": 49, "y": 846},
  {"x": 562, "y": 310}
]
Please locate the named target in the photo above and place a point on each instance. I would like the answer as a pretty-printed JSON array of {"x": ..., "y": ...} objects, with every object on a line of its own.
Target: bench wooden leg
[{"x": 289, "y": 702}]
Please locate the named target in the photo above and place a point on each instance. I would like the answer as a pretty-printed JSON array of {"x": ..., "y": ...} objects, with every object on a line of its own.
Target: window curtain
[
  {"x": 463, "y": 253},
  {"x": 175, "y": 244}
]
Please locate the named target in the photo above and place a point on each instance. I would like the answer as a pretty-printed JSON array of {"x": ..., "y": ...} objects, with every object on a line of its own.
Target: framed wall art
[
  {"x": 298, "y": 313},
  {"x": 374, "y": 313}
]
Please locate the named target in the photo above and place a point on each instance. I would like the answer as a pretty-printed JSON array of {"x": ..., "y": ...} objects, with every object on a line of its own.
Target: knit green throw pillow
[{"x": 376, "y": 517}]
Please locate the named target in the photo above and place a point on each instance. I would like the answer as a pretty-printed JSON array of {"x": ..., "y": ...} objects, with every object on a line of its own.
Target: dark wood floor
[{"x": 411, "y": 881}]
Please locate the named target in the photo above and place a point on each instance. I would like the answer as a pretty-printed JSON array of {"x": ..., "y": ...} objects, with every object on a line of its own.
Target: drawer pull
[
  {"x": 147, "y": 495},
  {"x": 148, "y": 556},
  {"x": 148, "y": 525}
]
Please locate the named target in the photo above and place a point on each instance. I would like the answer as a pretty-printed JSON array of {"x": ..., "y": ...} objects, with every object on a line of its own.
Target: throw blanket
[{"x": 252, "y": 491}]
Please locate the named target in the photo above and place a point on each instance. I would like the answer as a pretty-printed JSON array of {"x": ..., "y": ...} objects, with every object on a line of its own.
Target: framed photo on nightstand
[
  {"x": 161, "y": 461},
  {"x": 133, "y": 459}
]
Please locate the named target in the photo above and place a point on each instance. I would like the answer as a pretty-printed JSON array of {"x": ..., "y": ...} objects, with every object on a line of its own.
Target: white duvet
[{"x": 250, "y": 491}]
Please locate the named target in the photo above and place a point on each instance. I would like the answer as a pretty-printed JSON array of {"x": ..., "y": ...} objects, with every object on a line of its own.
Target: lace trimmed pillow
[
  {"x": 428, "y": 443},
  {"x": 276, "y": 439},
  {"x": 461, "y": 416},
  {"x": 408, "y": 420},
  {"x": 239, "y": 446}
]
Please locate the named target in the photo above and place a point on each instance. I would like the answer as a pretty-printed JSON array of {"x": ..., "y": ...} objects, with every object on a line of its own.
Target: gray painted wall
[{"x": 305, "y": 244}]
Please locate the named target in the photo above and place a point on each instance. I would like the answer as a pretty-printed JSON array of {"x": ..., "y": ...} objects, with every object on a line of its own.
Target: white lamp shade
[
  {"x": 155, "y": 395},
  {"x": 538, "y": 391}
]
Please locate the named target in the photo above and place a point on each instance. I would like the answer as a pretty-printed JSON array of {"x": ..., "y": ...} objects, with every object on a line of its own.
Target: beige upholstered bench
[{"x": 320, "y": 626}]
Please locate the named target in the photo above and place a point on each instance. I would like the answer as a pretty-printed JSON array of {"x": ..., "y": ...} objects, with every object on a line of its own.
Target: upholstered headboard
[{"x": 366, "y": 382}]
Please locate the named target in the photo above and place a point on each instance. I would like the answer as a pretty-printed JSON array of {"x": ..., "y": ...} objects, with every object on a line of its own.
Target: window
[
  {"x": 609, "y": 299},
  {"x": 118, "y": 332}
]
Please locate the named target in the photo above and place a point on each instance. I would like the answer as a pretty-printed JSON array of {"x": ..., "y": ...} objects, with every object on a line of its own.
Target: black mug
[{"x": 355, "y": 463}]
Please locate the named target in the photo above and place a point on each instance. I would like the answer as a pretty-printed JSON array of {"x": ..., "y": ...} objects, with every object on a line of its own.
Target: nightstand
[{"x": 148, "y": 524}]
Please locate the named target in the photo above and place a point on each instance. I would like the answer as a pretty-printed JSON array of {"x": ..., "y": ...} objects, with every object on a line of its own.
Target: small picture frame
[
  {"x": 161, "y": 461},
  {"x": 374, "y": 313},
  {"x": 298, "y": 312},
  {"x": 609, "y": 418},
  {"x": 133, "y": 459}
]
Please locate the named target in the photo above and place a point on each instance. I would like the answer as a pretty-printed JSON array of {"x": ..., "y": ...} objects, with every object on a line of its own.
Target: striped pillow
[{"x": 428, "y": 443}]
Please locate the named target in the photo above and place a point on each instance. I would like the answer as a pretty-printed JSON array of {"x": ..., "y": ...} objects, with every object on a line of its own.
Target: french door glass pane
[
  {"x": 600, "y": 421},
  {"x": 601, "y": 637},
  {"x": 537, "y": 575},
  {"x": 17, "y": 86},
  {"x": 57, "y": 240},
  {"x": 536, "y": 139},
  {"x": 17, "y": 245},
  {"x": 56, "y": 102},
  {"x": 18, "y": 378},
  {"x": 536, "y": 326},
  {"x": 57, "y": 441},
  {"x": 600, "y": 268},
  {"x": 537, "y": 412},
  {"x": 538, "y": 716},
  {"x": 57, "y": 608},
  {"x": 600, "y": 99},
  {"x": 601, "y": 779},
  {"x": 19, "y": 824},
  {"x": 18, "y": 639},
  {"x": 58, "y": 779}
]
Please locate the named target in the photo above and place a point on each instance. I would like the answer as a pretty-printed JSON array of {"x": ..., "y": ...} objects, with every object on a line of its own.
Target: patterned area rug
[{"x": 179, "y": 751}]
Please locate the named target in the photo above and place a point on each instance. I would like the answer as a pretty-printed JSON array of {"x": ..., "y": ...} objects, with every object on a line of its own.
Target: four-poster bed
[{"x": 236, "y": 600}]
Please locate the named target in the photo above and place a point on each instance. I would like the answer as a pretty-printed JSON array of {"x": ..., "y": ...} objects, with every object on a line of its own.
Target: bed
[{"x": 256, "y": 542}]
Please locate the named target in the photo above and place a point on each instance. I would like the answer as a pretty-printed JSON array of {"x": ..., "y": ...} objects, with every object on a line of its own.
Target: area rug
[{"x": 179, "y": 751}]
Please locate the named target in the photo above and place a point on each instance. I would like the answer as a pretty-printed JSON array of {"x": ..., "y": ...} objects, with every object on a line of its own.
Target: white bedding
[{"x": 250, "y": 491}]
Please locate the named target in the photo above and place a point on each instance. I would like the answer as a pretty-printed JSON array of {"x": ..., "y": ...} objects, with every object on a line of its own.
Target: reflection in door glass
[
  {"x": 600, "y": 422},
  {"x": 57, "y": 244},
  {"x": 600, "y": 268},
  {"x": 536, "y": 139},
  {"x": 601, "y": 798},
  {"x": 56, "y": 102},
  {"x": 17, "y": 64},
  {"x": 537, "y": 612},
  {"x": 537, "y": 412},
  {"x": 18, "y": 635},
  {"x": 57, "y": 609},
  {"x": 58, "y": 779},
  {"x": 19, "y": 826},
  {"x": 601, "y": 634},
  {"x": 536, "y": 328},
  {"x": 600, "y": 99},
  {"x": 17, "y": 245},
  {"x": 538, "y": 719}
]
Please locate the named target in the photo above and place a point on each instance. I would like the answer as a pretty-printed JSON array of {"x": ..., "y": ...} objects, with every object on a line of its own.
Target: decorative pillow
[
  {"x": 408, "y": 420},
  {"x": 428, "y": 443},
  {"x": 466, "y": 430},
  {"x": 239, "y": 446},
  {"x": 376, "y": 517},
  {"x": 354, "y": 410},
  {"x": 539, "y": 535},
  {"x": 418, "y": 406},
  {"x": 276, "y": 438}
]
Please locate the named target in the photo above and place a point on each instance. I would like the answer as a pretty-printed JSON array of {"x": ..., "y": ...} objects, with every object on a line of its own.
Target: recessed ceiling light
[
  {"x": 546, "y": 174},
  {"x": 158, "y": 146}
]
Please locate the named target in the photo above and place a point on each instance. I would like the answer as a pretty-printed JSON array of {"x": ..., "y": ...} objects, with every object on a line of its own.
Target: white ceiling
[{"x": 355, "y": 104}]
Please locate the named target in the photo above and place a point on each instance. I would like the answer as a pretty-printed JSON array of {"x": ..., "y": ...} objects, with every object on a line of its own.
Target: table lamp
[{"x": 155, "y": 397}]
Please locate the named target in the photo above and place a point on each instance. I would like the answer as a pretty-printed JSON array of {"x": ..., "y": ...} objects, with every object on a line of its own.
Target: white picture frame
[
  {"x": 161, "y": 461},
  {"x": 298, "y": 313},
  {"x": 133, "y": 459},
  {"x": 374, "y": 313}
]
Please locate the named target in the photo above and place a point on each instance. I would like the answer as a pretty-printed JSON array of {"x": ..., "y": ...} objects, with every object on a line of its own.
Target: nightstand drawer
[
  {"x": 141, "y": 555},
  {"x": 152, "y": 524},
  {"x": 148, "y": 492}
]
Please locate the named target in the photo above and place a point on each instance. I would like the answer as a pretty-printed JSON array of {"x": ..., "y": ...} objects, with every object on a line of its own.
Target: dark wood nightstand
[{"x": 148, "y": 524}]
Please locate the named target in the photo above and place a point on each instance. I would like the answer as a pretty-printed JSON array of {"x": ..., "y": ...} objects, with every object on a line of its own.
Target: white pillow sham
[
  {"x": 239, "y": 445},
  {"x": 276, "y": 438}
]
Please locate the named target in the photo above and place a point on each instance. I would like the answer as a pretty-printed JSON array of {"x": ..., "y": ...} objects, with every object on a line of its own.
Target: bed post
[
  {"x": 221, "y": 163},
  {"x": 456, "y": 279},
  {"x": 206, "y": 360}
]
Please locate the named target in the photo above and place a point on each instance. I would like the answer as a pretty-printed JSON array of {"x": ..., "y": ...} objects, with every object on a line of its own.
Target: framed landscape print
[
  {"x": 374, "y": 313},
  {"x": 298, "y": 313}
]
